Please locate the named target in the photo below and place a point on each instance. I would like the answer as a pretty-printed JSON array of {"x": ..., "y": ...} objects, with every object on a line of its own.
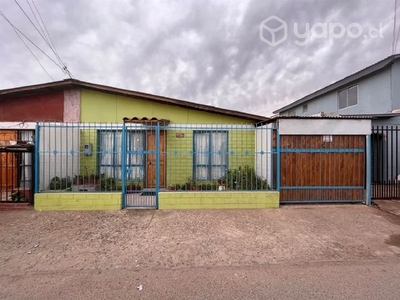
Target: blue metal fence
[{"x": 142, "y": 159}]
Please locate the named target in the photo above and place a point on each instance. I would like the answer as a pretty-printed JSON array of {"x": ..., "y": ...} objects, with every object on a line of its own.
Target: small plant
[
  {"x": 174, "y": 187},
  {"x": 17, "y": 196},
  {"x": 207, "y": 186},
  {"x": 57, "y": 183},
  {"x": 189, "y": 185},
  {"x": 87, "y": 179},
  {"x": 108, "y": 184},
  {"x": 243, "y": 178}
]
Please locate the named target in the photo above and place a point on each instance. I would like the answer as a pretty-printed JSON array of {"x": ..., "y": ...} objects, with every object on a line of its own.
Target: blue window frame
[
  {"x": 111, "y": 154},
  {"x": 210, "y": 158}
]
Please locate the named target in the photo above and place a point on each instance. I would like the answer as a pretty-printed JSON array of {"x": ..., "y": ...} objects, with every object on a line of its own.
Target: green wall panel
[{"x": 102, "y": 107}]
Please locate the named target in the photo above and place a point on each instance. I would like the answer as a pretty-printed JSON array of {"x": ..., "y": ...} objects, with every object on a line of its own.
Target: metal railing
[
  {"x": 147, "y": 158},
  {"x": 16, "y": 172},
  {"x": 385, "y": 162}
]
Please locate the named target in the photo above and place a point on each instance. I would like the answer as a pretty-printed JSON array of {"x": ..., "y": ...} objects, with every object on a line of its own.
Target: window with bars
[
  {"x": 210, "y": 155},
  {"x": 111, "y": 154}
]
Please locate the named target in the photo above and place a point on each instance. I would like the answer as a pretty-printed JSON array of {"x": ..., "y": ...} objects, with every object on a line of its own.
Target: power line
[
  {"x": 37, "y": 21},
  {"x": 44, "y": 26},
  {"x": 51, "y": 41},
  {"x": 26, "y": 15},
  {"x": 64, "y": 67},
  {"x": 15, "y": 28},
  {"x": 16, "y": 32}
]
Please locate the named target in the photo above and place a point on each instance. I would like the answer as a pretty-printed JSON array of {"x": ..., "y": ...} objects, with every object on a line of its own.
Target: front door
[
  {"x": 8, "y": 162},
  {"x": 151, "y": 160}
]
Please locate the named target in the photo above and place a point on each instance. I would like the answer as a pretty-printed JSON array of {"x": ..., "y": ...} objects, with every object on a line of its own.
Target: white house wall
[
  {"x": 62, "y": 164},
  {"x": 324, "y": 127},
  {"x": 264, "y": 162}
]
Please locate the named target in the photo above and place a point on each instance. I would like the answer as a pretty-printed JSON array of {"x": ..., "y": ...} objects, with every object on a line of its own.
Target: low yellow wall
[
  {"x": 213, "y": 200},
  {"x": 78, "y": 201}
]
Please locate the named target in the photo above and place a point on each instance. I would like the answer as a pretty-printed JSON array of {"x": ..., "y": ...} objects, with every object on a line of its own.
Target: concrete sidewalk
[{"x": 390, "y": 206}]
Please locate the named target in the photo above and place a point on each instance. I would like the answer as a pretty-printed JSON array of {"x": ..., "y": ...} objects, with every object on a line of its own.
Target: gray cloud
[{"x": 206, "y": 52}]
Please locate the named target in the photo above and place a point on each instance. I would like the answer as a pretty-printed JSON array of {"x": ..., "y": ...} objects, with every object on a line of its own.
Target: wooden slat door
[
  {"x": 322, "y": 168},
  {"x": 151, "y": 160},
  {"x": 8, "y": 162}
]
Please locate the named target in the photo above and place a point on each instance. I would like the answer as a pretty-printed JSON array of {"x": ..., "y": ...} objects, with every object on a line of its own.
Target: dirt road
[{"x": 51, "y": 251}]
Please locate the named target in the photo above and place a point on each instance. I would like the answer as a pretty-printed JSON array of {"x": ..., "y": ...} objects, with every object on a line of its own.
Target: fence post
[
  {"x": 157, "y": 162},
  {"x": 278, "y": 161},
  {"x": 124, "y": 170},
  {"x": 36, "y": 153},
  {"x": 368, "y": 199}
]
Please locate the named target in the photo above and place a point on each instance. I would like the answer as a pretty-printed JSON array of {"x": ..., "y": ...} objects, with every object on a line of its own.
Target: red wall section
[{"x": 44, "y": 107}]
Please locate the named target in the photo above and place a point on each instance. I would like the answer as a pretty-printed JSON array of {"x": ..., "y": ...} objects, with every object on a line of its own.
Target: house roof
[
  {"x": 343, "y": 82},
  {"x": 376, "y": 116},
  {"x": 339, "y": 117},
  {"x": 73, "y": 84}
]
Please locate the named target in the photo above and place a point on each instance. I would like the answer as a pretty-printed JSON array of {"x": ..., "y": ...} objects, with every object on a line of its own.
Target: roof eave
[{"x": 73, "y": 83}]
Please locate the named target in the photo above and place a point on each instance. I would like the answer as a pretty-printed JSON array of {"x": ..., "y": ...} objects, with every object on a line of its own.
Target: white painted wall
[
  {"x": 324, "y": 127},
  {"x": 264, "y": 162},
  {"x": 63, "y": 164}
]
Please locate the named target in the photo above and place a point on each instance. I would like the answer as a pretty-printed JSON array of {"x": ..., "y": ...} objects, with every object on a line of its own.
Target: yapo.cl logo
[{"x": 273, "y": 31}]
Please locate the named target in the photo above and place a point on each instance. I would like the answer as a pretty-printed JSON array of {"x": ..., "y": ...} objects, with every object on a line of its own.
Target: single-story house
[{"x": 93, "y": 139}]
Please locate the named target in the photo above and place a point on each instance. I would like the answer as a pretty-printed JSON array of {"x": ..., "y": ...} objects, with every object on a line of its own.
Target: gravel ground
[{"x": 138, "y": 240}]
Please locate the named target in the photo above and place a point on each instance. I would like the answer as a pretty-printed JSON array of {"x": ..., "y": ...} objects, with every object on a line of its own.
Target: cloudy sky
[{"x": 210, "y": 52}]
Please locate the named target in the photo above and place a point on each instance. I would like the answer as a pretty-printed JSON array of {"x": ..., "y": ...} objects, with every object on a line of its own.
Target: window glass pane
[
  {"x": 352, "y": 96},
  {"x": 118, "y": 148},
  {"x": 136, "y": 145},
  {"x": 342, "y": 99},
  {"x": 201, "y": 148},
  {"x": 136, "y": 173},
  {"x": 217, "y": 172},
  {"x": 219, "y": 142},
  {"x": 118, "y": 173},
  {"x": 106, "y": 147},
  {"x": 107, "y": 171},
  {"x": 201, "y": 173}
]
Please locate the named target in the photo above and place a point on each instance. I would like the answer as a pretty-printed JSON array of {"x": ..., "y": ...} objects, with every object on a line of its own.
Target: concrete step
[{"x": 14, "y": 206}]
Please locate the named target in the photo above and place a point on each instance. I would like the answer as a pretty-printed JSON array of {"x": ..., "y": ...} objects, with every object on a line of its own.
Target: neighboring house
[
  {"x": 198, "y": 143},
  {"x": 373, "y": 91}
]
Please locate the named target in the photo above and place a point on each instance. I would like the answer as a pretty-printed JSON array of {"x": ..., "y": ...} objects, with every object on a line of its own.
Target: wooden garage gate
[{"x": 322, "y": 168}]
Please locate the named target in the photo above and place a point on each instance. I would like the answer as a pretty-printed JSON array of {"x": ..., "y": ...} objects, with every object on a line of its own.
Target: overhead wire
[
  {"x": 50, "y": 44},
  {"x": 37, "y": 21},
  {"x": 66, "y": 70},
  {"x": 16, "y": 32},
  {"x": 33, "y": 24},
  {"x": 15, "y": 28},
  {"x": 45, "y": 27}
]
